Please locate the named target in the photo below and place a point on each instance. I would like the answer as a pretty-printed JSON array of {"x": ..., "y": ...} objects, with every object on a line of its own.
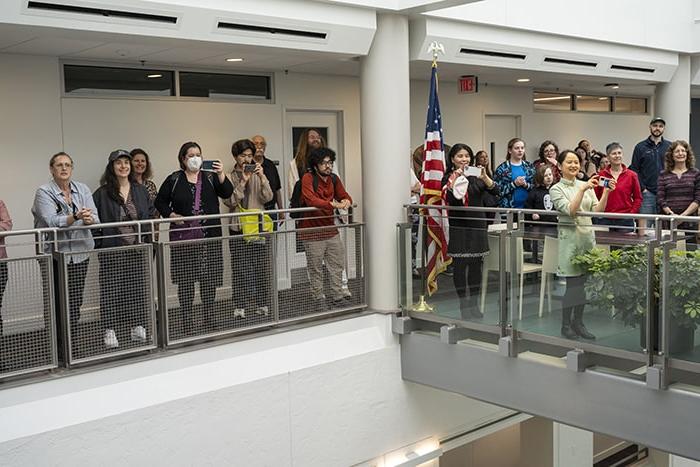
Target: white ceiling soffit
[
  {"x": 287, "y": 24},
  {"x": 484, "y": 45},
  {"x": 403, "y": 6}
]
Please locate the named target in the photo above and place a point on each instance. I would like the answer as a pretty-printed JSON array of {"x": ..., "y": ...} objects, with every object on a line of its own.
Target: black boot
[
  {"x": 566, "y": 329},
  {"x": 578, "y": 326}
]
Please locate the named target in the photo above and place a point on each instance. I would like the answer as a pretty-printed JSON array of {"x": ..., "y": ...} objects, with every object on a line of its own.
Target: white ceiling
[{"x": 108, "y": 47}]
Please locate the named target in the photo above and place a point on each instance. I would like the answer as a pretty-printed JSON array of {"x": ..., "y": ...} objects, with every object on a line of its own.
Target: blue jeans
[{"x": 649, "y": 206}]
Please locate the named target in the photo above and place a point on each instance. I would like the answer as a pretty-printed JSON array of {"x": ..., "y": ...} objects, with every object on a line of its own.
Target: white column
[
  {"x": 573, "y": 447},
  {"x": 673, "y": 102},
  {"x": 384, "y": 90}
]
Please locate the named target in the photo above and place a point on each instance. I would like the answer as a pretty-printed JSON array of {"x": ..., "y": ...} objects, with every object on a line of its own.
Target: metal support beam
[
  {"x": 451, "y": 334},
  {"x": 619, "y": 405},
  {"x": 402, "y": 325}
]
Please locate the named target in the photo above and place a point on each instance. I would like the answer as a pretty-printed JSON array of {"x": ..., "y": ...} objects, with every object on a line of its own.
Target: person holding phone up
[
  {"x": 191, "y": 191},
  {"x": 250, "y": 258},
  {"x": 627, "y": 197},
  {"x": 570, "y": 197}
]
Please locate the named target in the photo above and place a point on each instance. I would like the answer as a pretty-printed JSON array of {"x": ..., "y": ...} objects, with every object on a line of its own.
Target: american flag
[{"x": 431, "y": 194}]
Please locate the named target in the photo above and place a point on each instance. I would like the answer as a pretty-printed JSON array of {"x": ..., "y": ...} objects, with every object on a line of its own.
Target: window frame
[
  {"x": 573, "y": 107},
  {"x": 176, "y": 77}
]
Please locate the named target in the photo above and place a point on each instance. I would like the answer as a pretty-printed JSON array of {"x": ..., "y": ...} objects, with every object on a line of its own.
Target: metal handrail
[{"x": 613, "y": 215}]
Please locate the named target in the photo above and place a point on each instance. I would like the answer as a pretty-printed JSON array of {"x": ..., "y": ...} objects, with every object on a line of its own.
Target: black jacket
[
  {"x": 110, "y": 210},
  {"x": 538, "y": 198},
  {"x": 176, "y": 196}
]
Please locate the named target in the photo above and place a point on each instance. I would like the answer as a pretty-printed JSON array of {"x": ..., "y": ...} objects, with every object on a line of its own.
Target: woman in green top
[{"x": 571, "y": 196}]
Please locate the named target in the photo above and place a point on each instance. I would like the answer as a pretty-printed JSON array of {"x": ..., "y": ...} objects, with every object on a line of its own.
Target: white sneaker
[
  {"x": 239, "y": 312},
  {"x": 262, "y": 310},
  {"x": 111, "y": 339},
  {"x": 138, "y": 334}
]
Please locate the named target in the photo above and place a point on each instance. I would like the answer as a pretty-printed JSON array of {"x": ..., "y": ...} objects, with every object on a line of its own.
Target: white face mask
[{"x": 194, "y": 163}]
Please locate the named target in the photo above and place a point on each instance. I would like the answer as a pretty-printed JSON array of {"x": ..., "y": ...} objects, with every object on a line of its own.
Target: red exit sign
[{"x": 468, "y": 84}]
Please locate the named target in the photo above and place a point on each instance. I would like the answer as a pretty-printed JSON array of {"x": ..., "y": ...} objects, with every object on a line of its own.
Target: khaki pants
[{"x": 331, "y": 251}]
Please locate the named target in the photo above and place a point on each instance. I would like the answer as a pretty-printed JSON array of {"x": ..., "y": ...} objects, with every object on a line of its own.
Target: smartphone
[
  {"x": 249, "y": 168},
  {"x": 604, "y": 182},
  {"x": 208, "y": 165},
  {"x": 471, "y": 171}
]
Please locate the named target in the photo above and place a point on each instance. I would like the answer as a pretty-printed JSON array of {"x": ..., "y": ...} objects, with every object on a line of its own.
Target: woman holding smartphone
[
  {"x": 570, "y": 197},
  {"x": 468, "y": 243},
  {"x": 250, "y": 258},
  {"x": 191, "y": 191}
]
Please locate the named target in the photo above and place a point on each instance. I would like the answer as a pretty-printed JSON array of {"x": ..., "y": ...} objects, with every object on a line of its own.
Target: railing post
[
  {"x": 162, "y": 311},
  {"x": 274, "y": 286},
  {"x": 651, "y": 301}
]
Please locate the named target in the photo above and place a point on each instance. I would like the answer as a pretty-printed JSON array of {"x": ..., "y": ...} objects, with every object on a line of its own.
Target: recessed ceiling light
[
  {"x": 523, "y": 80},
  {"x": 155, "y": 75},
  {"x": 612, "y": 85},
  {"x": 234, "y": 59}
]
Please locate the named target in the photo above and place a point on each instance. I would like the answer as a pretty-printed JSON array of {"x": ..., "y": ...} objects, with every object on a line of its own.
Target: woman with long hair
[
  {"x": 515, "y": 176},
  {"x": 548, "y": 156},
  {"x": 678, "y": 191},
  {"x": 143, "y": 172},
  {"x": 468, "y": 244},
  {"x": 121, "y": 199}
]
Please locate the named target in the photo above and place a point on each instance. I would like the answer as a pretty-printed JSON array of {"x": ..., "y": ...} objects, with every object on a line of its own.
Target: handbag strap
[{"x": 197, "y": 194}]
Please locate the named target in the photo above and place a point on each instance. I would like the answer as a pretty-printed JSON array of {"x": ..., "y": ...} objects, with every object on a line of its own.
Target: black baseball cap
[
  {"x": 657, "y": 119},
  {"x": 116, "y": 154}
]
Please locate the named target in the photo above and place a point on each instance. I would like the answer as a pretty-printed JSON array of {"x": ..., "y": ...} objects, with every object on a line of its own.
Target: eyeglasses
[{"x": 327, "y": 163}]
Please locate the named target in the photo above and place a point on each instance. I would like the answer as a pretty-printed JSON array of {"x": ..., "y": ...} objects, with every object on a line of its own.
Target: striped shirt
[{"x": 676, "y": 192}]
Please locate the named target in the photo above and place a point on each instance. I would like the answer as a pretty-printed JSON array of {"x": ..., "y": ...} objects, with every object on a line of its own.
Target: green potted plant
[{"x": 617, "y": 281}]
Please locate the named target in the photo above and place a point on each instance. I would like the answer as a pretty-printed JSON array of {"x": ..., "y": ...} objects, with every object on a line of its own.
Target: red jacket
[
  {"x": 320, "y": 199},
  {"x": 627, "y": 196}
]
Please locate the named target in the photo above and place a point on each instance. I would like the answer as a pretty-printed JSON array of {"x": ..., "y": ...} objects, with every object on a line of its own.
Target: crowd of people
[
  {"x": 127, "y": 193},
  {"x": 661, "y": 179}
]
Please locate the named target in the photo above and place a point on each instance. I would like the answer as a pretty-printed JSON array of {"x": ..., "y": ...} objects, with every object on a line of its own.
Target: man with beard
[
  {"x": 323, "y": 190},
  {"x": 648, "y": 162},
  {"x": 309, "y": 140}
]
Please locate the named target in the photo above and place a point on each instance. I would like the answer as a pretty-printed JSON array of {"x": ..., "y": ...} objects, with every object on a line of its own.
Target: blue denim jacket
[{"x": 51, "y": 210}]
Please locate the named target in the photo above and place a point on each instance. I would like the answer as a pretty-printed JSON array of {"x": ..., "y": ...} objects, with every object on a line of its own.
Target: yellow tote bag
[{"x": 251, "y": 225}]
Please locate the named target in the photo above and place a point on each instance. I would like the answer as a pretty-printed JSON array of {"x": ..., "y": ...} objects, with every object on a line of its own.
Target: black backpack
[{"x": 296, "y": 200}]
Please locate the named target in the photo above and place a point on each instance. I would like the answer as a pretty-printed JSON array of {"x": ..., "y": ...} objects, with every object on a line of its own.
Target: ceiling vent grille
[
  {"x": 104, "y": 12},
  {"x": 563, "y": 61},
  {"x": 637, "y": 69},
  {"x": 492, "y": 53},
  {"x": 271, "y": 30}
]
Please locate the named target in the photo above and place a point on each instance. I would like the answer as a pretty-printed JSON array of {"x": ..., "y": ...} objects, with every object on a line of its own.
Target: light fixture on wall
[
  {"x": 414, "y": 455},
  {"x": 154, "y": 75},
  {"x": 234, "y": 59},
  {"x": 523, "y": 80},
  {"x": 612, "y": 85}
]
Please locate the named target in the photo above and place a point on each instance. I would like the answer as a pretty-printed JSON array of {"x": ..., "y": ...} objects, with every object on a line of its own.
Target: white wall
[
  {"x": 463, "y": 120},
  {"x": 37, "y": 122},
  {"x": 329, "y": 395},
  {"x": 30, "y": 129}
]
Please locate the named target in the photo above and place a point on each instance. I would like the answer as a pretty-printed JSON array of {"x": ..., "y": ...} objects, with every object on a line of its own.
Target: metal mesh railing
[
  {"x": 327, "y": 276},
  {"x": 27, "y": 326},
  {"x": 107, "y": 302},
  {"x": 75, "y": 306},
  {"x": 230, "y": 284}
]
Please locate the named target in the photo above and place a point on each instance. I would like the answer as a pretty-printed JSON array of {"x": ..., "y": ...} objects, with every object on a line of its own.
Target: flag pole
[{"x": 423, "y": 306}]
